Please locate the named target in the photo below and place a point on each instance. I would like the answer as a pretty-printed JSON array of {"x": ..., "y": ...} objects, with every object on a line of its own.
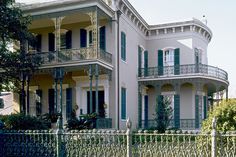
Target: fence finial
[{"x": 128, "y": 123}]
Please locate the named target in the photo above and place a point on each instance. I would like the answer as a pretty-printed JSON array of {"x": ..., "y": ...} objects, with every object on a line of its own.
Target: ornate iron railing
[
  {"x": 116, "y": 143},
  {"x": 69, "y": 55},
  {"x": 188, "y": 69},
  {"x": 185, "y": 124}
]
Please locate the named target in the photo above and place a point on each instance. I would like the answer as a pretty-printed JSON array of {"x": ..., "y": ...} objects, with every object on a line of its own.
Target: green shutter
[
  {"x": 145, "y": 63},
  {"x": 177, "y": 111},
  {"x": 139, "y": 60},
  {"x": 83, "y": 38},
  {"x": 146, "y": 111},
  {"x": 160, "y": 62},
  {"x": 51, "y": 42},
  {"x": 139, "y": 108},
  {"x": 68, "y": 102},
  {"x": 69, "y": 39},
  {"x": 103, "y": 38},
  {"x": 123, "y": 46},
  {"x": 196, "y": 111},
  {"x": 123, "y": 103},
  {"x": 176, "y": 62},
  {"x": 51, "y": 101},
  {"x": 205, "y": 107}
]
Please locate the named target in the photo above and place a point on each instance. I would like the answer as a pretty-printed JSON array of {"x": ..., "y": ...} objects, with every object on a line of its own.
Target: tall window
[
  {"x": 198, "y": 55},
  {"x": 123, "y": 46},
  {"x": 123, "y": 103},
  {"x": 169, "y": 57}
]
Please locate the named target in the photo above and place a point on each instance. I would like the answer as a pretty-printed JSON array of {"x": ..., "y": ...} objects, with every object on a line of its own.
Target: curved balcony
[
  {"x": 184, "y": 71},
  {"x": 71, "y": 55}
]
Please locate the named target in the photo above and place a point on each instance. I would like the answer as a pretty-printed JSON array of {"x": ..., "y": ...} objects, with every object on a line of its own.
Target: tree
[
  {"x": 163, "y": 113},
  {"x": 15, "y": 65},
  {"x": 225, "y": 114}
]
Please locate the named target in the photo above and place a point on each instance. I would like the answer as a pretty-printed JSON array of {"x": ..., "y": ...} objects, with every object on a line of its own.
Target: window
[
  {"x": 1, "y": 103},
  {"x": 198, "y": 56},
  {"x": 123, "y": 103},
  {"x": 169, "y": 57},
  {"x": 123, "y": 46}
]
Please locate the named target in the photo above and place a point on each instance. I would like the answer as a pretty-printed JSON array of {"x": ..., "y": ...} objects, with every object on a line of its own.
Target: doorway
[{"x": 101, "y": 109}]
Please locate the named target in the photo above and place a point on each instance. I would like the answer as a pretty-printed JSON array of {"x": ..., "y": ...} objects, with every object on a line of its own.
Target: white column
[
  {"x": 106, "y": 99},
  {"x": 32, "y": 107}
]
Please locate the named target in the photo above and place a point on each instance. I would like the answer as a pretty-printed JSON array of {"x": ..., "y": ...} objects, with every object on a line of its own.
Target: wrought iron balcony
[
  {"x": 187, "y": 124},
  {"x": 188, "y": 69},
  {"x": 71, "y": 55}
]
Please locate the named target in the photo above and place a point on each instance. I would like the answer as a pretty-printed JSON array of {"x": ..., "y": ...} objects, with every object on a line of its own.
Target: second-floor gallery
[{"x": 102, "y": 57}]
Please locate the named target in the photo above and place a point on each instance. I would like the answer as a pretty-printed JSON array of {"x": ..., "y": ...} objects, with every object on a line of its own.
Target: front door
[{"x": 101, "y": 109}]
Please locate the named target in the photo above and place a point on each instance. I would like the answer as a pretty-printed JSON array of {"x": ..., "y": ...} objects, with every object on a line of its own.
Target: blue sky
[{"x": 221, "y": 17}]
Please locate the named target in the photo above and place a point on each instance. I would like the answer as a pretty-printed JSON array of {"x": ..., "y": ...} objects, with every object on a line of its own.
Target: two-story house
[{"x": 101, "y": 56}]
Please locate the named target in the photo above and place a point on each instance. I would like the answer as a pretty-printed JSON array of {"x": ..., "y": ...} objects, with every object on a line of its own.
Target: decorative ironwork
[
  {"x": 116, "y": 143},
  {"x": 70, "y": 55},
  {"x": 188, "y": 69}
]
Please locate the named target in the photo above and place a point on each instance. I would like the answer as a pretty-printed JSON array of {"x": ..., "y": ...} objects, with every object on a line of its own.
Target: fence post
[
  {"x": 129, "y": 138},
  {"x": 213, "y": 138},
  {"x": 59, "y": 133}
]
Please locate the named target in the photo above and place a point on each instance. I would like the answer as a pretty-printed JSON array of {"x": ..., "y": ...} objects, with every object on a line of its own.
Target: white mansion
[{"x": 101, "y": 56}]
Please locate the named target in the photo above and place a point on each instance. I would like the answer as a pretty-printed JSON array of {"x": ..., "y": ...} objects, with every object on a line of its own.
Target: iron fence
[
  {"x": 188, "y": 69},
  {"x": 118, "y": 143}
]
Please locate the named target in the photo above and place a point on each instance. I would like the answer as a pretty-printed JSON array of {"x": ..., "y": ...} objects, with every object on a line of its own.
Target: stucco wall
[{"x": 129, "y": 68}]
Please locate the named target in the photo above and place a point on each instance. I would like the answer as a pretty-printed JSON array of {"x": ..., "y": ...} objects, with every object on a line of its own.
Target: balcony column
[
  {"x": 90, "y": 88},
  {"x": 96, "y": 86},
  {"x": 57, "y": 23},
  {"x": 94, "y": 22},
  {"x": 177, "y": 106},
  {"x": 198, "y": 104},
  {"x": 227, "y": 94},
  {"x": 58, "y": 76}
]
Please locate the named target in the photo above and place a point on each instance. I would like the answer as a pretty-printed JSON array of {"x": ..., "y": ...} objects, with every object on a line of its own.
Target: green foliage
[
  {"x": 86, "y": 121},
  {"x": 163, "y": 113},
  {"x": 14, "y": 29},
  {"x": 23, "y": 122},
  {"x": 225, "y": 114}
]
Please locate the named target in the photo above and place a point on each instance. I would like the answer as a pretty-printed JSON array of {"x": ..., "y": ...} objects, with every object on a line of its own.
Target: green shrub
[
  {"x": 86, "y": 121},
  {"x": 22, "y": 122},
  {"x": 225, "y": 114},
  {"x": 163, "y": 113}
]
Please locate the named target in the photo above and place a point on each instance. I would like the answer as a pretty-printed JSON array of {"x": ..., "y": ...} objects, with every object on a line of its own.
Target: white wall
[
  {"x": 186, "y": 41},
  {"x": 129, "y": 68}
]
